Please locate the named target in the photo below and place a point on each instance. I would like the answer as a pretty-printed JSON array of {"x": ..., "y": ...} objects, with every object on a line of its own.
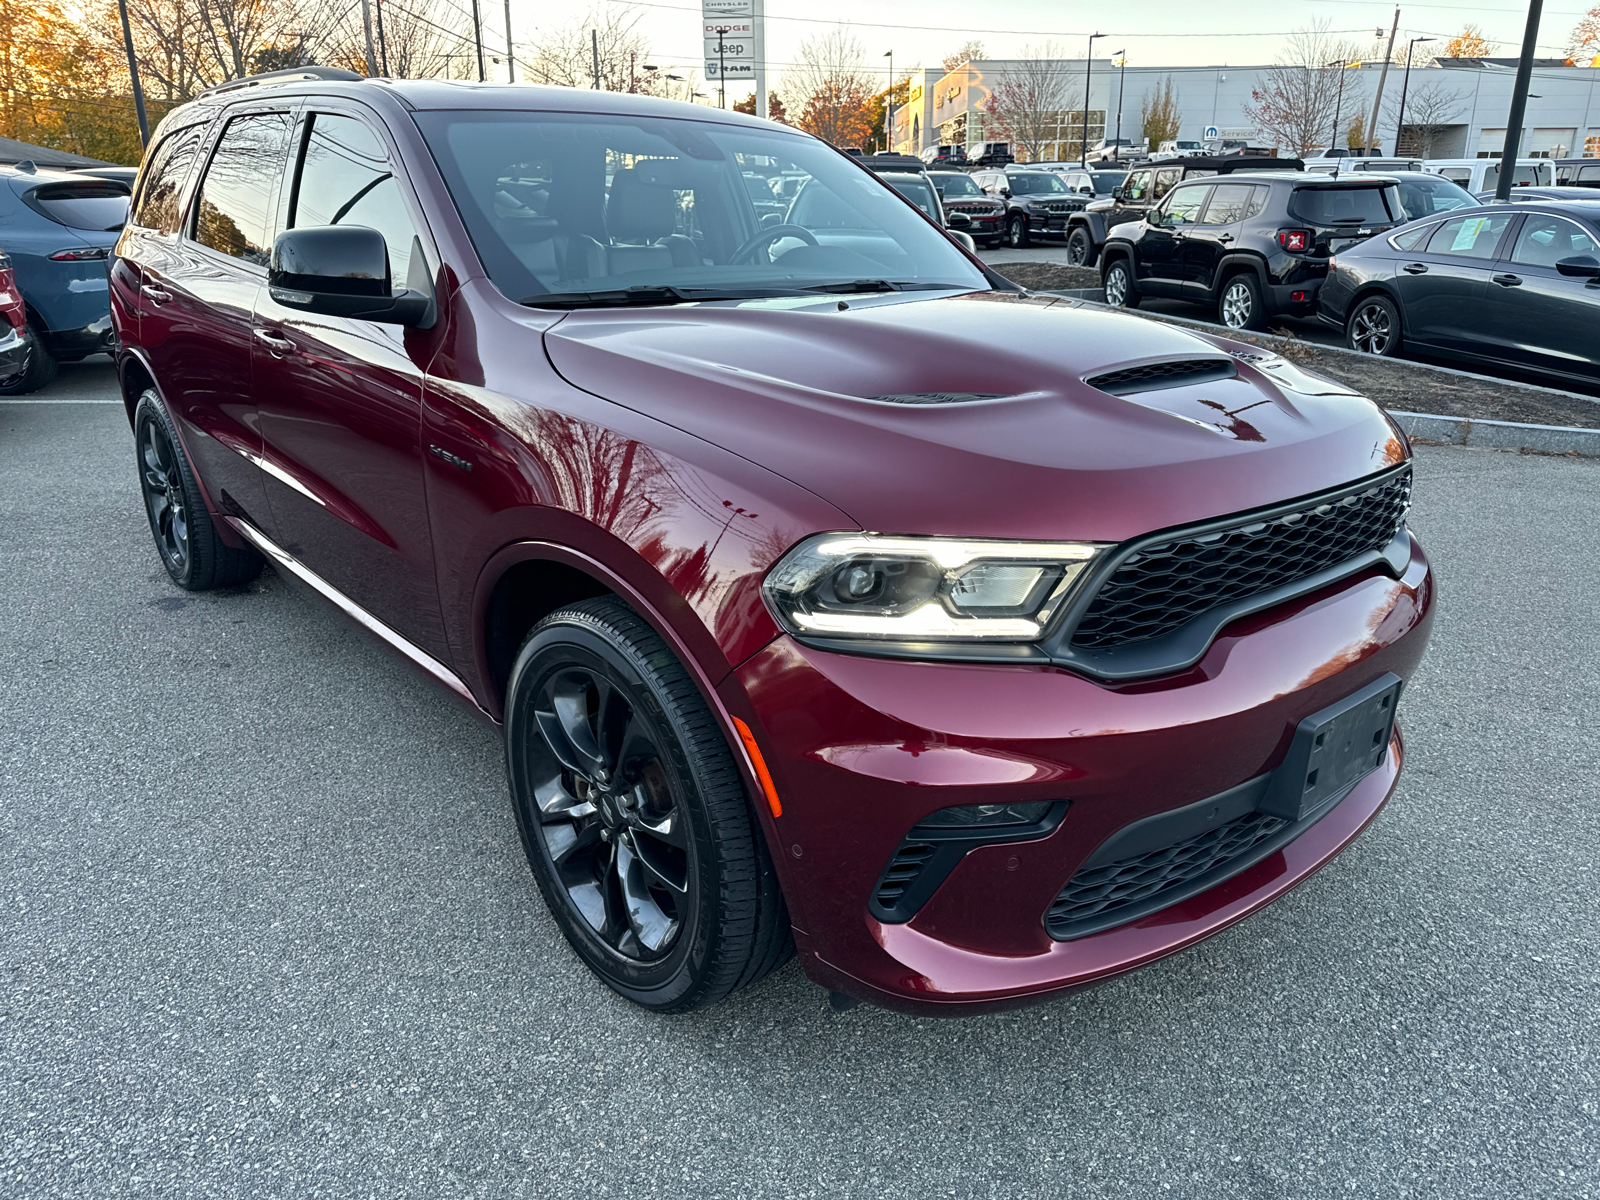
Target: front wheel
[
  {"x": 1374, "y": 327},
  {"x": 633, "y": 814},
  {"x": 1120, "y": 289},
  {"x": 1080, "y": 248},
  {"x": 1017, "y": 231},
  {"x": 1240, "y": 305}
]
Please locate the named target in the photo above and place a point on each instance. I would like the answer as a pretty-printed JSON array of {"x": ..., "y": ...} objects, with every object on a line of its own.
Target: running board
[{"x": 284, "y": 561}]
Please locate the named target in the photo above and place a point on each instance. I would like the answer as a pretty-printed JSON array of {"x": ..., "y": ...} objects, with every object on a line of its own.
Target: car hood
[{"x": 790, "y": 384}]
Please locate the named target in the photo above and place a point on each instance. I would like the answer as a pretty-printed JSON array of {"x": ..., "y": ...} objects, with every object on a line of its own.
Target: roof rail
[{"x": 288, "y": 75}]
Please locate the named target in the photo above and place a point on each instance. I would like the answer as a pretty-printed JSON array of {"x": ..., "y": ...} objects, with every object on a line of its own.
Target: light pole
[
  {"x": 722, "y": 67},
  {"x": 1088, "y": 68},
  {"x": 1400, "y": 125},
  {"x": 1519, "y": 104},
  {"x": 133, "y": 75},
  {"x": 1122, "y": 84},
  {"x": 888, "y": 107}
]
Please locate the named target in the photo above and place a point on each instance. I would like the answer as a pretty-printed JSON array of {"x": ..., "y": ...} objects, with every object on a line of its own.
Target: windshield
[
  {"x": 1341, "y": 205},
  {"x": 918, "y": 192},
  {"x": 1436, "y": 194},
  {"x": 578, "y": 203},
  {"x": 1104, "y": 181},
  {"x": 957, "y": 185},
  {"x": 85, "y": 205},
  {"x": 1035, "y": 184}
]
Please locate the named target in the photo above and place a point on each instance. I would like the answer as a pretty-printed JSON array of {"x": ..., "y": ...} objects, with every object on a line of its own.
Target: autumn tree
[
  {"x": 1159, "y": 117},
  {"x": 1583, "y": 44},
  {"x": 1293, "y": 104},
  {"x": 1469, "y": 43},
  {"x": 1028, "y": 104},
  {"x": 968, "y": 52},
  {"x": 775, "y": 110},
  {"x": 829, "y": 87}
]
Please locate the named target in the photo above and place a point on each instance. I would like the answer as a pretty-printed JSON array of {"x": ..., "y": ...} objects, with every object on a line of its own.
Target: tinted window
[
  {"x": 1456, "y": 174},
  {"x": 1036, "y": 184},
  {"x": 1537, "y": 175},
  {"x": 1410, "y": 239},
  {"x": 1230, "y": 202},
  {"x": 99, "y": 205},
  {"x": 1546, "y": 240},
  {"x": 1469, "y": 237},
  {"x": 345, "y": 179},
  {"x": 1165, "y": 178},
  {"x": 164, "y": 179},
  {"x": 1184, "y": 207},
  {"x": 918, "y": 192},
  {"x": 1435, "y": 194},
  {"x": 957, "y": 185},
  {"x": 1137, "y": 187},
  {"x": 231, "y": 215},
  {"x": 1589, "y": 174},
  {"x": 1341, "y": 206},
  {"x": 1104, "y": 181}
]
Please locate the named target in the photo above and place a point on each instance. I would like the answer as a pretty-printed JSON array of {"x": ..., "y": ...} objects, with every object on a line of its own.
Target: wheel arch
[
  {"x": 1235, "y": 264},
  {"x": 1367, "y": 291}
]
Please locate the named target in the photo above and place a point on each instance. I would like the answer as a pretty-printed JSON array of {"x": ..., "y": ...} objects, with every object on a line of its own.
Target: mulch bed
[{"x": 1048, "y": 277}]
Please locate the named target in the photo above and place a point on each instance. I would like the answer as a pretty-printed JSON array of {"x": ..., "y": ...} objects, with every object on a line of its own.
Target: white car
[
  {"x": 1482, "y": 174},
  {"x": 1116, "y": 150},
  {"x": 1177, "y": 148}
]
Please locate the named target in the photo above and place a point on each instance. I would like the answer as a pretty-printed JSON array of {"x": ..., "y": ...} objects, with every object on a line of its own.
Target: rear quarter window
[
  {"x": 1341, "y": 206},
  {"x": 101, "y": 205},
  {"x": 1411, "y": 239}
]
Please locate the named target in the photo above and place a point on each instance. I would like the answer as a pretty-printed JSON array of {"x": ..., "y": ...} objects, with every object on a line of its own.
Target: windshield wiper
[
  {"x": 644, "y": 294},
  {"x": 850, "y": 286}
]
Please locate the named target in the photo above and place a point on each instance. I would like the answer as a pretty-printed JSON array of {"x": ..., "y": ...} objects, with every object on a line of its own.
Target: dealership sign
[{"x": 730, "y": 29}]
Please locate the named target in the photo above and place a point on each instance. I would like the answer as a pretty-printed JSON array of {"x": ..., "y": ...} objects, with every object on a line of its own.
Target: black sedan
[{"x": 1509, "y": 285}]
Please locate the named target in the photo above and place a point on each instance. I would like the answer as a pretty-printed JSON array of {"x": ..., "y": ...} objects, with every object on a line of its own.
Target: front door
[
  {"x": 1444, "y": 288},
  {"x": 1160, "y": 249},
  {"x": 1539, "y": 317},
  {"x": 341, "y": 400},
  {"x": 1215, "y": 235}
]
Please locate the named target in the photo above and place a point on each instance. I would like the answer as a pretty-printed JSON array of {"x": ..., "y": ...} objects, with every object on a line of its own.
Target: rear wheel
[
  {"x": 195, "y": 557},
  {"x": 634, "y": 816},
  {"x": 1240, "y": 305},
  {"x": 1017, "y": 231},
  {"x": 1374, "y": 327},
  {"x": 1120, "y": 289},
  {"x": 1080, "y": 248},
  {"x": 42, "y": 364}
]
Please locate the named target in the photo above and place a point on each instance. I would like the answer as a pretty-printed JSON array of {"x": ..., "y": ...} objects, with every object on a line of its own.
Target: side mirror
[
  {"x": 1087, "y": 190},
  {"x": 1116, "y": 192},
  {"x": 1580, "y": 266},
  {"x": 342, "y": 271},
  {"x": 768, "y": 220},
  {"x": 957, "y": 220},
  {"x": 964, "y": 240},
  {"x": 1005, "y": 191}
]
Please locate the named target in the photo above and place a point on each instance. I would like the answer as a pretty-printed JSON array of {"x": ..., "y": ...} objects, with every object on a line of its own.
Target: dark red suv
[{"x": 977, "y": 645}]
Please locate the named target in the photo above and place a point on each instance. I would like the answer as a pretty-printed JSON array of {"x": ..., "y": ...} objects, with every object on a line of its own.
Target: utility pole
[
  {"x": 1088, "y": 67},
  {"x": 888, "y": 107},
  {"x": 594, "y": 49},
  {"x": 133, "y": 74},
  {"x": 477, "y": 37},
  {"x": 366, "y": 28},
  {"x": 1372, "y": 125},
  {"x": 633, "y": 75},
  {"x": 758, "y": 22},
  {"x": 383, "y": 44},
  {"x": 1519, "y": 104},
  {"x": 1400, "y": 125},
  {"x": 511, "y": 60},
  {"x": 1122, "y": 83}
]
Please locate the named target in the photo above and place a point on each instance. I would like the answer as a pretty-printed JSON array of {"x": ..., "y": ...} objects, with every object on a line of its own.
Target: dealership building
[{"x": 1469, "y": 99}]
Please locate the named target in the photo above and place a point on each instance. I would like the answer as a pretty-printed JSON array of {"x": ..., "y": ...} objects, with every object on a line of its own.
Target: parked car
[
  {"x": 1518, "y": 195},
  {"x": 1036, "y": 202},
  {"x": 14, "y": 345},
  {"x": 606, "y": 464},
  {"x": 1577, "y": 172},
  {"x": 1510, "y": 285},
  {"x": 989, "y": 154},
  {"x": 944, "y": 156},
  {"x": 960, "y": 193},
  {"x": 58, "y": 228},
  {"x": 1483, "y": 174},
  {"x": 1178, "y": 148},
  {"x": 1144, "y": 188},
  {"x": 1344, "y": 164},
  {"x": 1116, "y": 150},
  {"x": 1251, "y": 246},
  {"x": 1092, "y": 185},
  {"x": 914, "y": 183}
]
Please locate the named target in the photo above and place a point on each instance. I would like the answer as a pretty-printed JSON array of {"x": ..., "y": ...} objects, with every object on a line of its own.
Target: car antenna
[{"x": 27, "y": 167}]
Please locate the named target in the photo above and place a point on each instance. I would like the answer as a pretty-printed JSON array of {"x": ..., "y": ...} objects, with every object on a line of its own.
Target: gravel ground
[{"x": 268, "y": 931}]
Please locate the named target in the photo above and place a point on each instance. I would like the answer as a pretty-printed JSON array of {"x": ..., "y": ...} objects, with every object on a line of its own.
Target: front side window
[
  {"x": 346, "y": 179},
  {"x": 1469, "y": 237},
  {"x": 164, "y": 179},
  {"x": 1137, "y": 187},
  {"x": 1230, "y": 202},
  {"x": 232, "y": 214},
  {"x": 581, "y": 203},
  {"x": 1545, "y": 240}
]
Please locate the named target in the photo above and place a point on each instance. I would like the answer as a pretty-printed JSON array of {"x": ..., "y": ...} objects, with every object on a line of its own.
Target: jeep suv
[
  {"x": 1252, "y": 246},
  {"x": 1146, "y": 186},
  {"x": 1037, "y": 203},
  {"x": 962, "y": 196},
  {"x": 829, "y": 594}
]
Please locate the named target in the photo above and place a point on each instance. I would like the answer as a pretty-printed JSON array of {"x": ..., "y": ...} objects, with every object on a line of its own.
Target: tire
[
  {"x": 1240, "y": 305},
  {"x": 1081, "y": 250},
  {"x": 1017, "y": 231},
  {"x": 42, "y": 365},
  {"x": 195, "y": 557},
  {"x": 1373, "y": 326},
  {"x": 1121, "y": 290},
  {"x": 633, "y": 814}
]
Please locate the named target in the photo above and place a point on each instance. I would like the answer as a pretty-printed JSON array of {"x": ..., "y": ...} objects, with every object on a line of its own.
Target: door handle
[
  {"x": 1507, "y": 280},
  {"x": 156, "y": 295},
  {"x": 1415, "y": 268},
  {"x": 277, "y": 345},
  {"x": 1227, "y": 237}
]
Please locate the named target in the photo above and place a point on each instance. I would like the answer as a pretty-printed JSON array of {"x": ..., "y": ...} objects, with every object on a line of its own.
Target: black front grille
[
  {"x": 1095, "y": 895},
  {"x": 1166, "y": 584},
  {"x": 1149, "y": 376},
  {"x": 902, "y": 871}
]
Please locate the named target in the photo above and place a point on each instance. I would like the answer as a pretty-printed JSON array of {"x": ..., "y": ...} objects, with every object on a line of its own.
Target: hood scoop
[
  {"x": 1152, "y": 377},
  {"x": 938, "y": 397}
]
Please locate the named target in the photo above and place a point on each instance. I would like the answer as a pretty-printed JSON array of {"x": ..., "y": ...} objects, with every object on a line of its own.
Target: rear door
[
  {"x": 1536, "y": 316},
  {"x": 145, "y": 250},
  {"x": 1444, "y": 290}
]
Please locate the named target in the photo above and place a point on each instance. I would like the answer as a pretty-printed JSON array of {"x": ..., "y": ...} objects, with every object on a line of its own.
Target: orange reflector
[{"x": 764, "y": 775}]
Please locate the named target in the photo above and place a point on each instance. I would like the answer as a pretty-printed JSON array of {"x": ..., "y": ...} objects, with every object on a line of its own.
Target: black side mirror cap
[
  {"x": 1580, "y": 266},
  {"x": 1116, "y": 192},
  {"x": 343, "y": 271}
]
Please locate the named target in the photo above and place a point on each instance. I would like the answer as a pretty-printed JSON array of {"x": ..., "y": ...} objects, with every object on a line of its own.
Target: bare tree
[
  {"x": 828, "y": 86},
  {"x": 567, "y": 55},
  {"x": 967, "y": 52},
  {"x": 1431, "y": 109},
  {"x": 1028, "y": 103},
  {"x": 1159, "y": 115},
  {"x": 1293, "y": 103}
]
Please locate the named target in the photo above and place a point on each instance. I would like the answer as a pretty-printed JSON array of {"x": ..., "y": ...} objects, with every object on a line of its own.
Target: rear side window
[
  {"x": 1457, "y": 174},
  {"x": 1470, "y": 237},
  {"x": 164, "y": 179},
  {"x": 99, "y": 205},
  {"x": 1411, "y": 239},
  {"x": 1589, "y": 174},
  {"x": 1232, "y": 202},
  {"x": 236, "y": 194},
  {"x": 1341, "y": 206},
  {"x": 1165, "y": 178}
]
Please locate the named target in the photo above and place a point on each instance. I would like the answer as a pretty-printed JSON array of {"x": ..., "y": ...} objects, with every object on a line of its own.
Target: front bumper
[
  {"x": 14, "y": 353},
  {"x": 862, "y": 749}
]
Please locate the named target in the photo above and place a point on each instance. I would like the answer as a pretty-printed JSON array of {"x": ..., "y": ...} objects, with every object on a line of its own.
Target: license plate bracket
[{"x": 1333, "y": 749}]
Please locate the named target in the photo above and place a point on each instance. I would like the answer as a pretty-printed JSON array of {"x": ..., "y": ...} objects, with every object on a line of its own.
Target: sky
[{"x": 1153, "y": 32}]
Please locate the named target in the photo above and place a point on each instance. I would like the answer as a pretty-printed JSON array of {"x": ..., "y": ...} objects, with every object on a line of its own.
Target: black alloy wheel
[
  {"x": 1374, "y": 327},
  {"x": 1017, "y": 231},
  {"x": 1080, "y": 248},
  {"x": 195, "y": 557},
  {"x": 634, "y": 816}
]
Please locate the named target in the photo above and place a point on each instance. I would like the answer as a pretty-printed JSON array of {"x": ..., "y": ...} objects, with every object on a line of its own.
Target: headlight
[{"x": 865, "y": 585}]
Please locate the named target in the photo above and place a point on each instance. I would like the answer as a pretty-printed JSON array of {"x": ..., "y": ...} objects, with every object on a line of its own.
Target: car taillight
[
  {"x": 80, "y": 254},
  {"x": 1298, "y": 240},
  {"x": 11, "y": 301}
]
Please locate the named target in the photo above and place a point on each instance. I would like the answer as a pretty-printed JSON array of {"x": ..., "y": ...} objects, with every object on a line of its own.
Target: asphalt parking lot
[{"x": 269, "y": 932}]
